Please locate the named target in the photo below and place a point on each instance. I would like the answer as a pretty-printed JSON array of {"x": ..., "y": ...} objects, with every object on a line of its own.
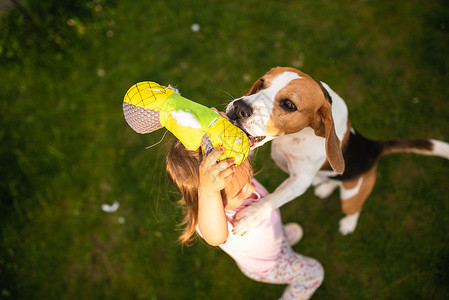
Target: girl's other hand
[
  {"x": 215, "y": 176},
  {"x": 220, "y": 112}
]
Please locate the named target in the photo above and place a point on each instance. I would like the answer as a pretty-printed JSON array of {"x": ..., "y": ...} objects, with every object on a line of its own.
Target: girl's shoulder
[{"x": 260, "y": 189}]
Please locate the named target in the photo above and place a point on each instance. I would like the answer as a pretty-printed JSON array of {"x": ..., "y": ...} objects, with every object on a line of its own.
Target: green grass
[{"x": 66, "y": 149}]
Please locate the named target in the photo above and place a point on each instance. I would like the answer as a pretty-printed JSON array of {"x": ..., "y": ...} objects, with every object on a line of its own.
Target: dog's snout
[{"x": 241, "y": 109}]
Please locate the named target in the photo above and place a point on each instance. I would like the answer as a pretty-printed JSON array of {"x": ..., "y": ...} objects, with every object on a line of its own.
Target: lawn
[{"x": 66, "y": 149}]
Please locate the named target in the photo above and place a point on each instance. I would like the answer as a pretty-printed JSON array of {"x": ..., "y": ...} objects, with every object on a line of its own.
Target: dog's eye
[
  {"x": 288, "y": 105},
  {"x": 261, "y": 85}
]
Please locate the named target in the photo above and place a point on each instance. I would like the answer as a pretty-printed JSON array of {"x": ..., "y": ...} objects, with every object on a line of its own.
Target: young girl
[{"x": 212, "y": 194}]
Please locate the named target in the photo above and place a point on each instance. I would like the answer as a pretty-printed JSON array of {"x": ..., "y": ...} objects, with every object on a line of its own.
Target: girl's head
[{"x": 182, "y": 167}]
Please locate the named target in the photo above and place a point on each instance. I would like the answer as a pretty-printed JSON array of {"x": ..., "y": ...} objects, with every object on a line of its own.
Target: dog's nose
[{"x": 241, "y": 109}]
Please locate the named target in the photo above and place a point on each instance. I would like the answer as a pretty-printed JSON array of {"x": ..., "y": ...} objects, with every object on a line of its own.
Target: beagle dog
[{"x": 314, "y": 142}]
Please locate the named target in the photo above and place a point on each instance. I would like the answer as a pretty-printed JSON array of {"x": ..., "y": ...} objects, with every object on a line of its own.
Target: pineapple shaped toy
[{"x": 149, "y": 106}]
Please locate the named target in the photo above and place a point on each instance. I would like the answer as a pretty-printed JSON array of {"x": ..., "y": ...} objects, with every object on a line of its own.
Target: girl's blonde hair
[{"x": 182, "y": 167}]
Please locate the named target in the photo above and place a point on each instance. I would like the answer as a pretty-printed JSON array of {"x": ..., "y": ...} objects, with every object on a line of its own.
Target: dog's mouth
[{"x": 253, "y": 140}]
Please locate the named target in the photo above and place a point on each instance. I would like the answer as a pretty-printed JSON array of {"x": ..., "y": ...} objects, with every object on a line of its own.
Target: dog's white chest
[{"x": 303, "y": 147}]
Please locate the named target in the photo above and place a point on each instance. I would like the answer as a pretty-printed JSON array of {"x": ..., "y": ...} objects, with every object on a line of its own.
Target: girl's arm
[{"x": 211, "y": 214}]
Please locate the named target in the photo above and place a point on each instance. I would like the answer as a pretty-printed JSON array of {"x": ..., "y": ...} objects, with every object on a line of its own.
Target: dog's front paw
[
  {"x": 250, "y": 217},
  {"x": 325, "y": 189},
  {"x": 349, "y": 223}
]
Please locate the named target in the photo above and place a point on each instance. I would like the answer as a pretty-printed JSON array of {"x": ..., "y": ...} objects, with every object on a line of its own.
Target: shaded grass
[{"x": 66, "y": 148}]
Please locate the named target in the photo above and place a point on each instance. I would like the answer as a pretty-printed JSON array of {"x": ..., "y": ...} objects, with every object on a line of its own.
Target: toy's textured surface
[{"x": 149, "y": 106}]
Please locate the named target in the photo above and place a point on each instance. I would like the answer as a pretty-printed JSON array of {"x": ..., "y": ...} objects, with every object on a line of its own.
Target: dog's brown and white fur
[{"x": 314, "y": 142}]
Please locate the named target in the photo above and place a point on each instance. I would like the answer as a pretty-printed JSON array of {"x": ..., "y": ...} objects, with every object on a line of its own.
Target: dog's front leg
[{"x": 252, "y": 215}]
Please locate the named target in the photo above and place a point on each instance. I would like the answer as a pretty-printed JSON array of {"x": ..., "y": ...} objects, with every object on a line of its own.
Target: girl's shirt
[{"x": 258, "y": 249}]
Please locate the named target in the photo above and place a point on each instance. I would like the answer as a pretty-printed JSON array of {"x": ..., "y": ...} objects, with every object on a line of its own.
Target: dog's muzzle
[{"x": 239, "y": 110}]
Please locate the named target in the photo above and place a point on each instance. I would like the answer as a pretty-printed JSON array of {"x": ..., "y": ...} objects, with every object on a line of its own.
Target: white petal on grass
[{"x": 110, "y": 208}]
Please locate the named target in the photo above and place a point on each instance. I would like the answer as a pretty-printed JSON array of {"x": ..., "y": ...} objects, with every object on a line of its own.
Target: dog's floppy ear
[
  {"x": 255, "y": 88},
  {"x": 333, "y": 149}
]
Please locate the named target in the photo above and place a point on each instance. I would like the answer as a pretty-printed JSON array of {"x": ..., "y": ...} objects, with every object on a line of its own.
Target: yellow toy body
[{"x": 149, "y": 106}]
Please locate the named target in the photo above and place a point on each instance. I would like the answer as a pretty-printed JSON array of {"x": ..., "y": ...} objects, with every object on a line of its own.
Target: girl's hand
[
  {"x": 211, "y": 214},
  {"x": 215, "y": 176},
  {"x": 220, "y": 112}
]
